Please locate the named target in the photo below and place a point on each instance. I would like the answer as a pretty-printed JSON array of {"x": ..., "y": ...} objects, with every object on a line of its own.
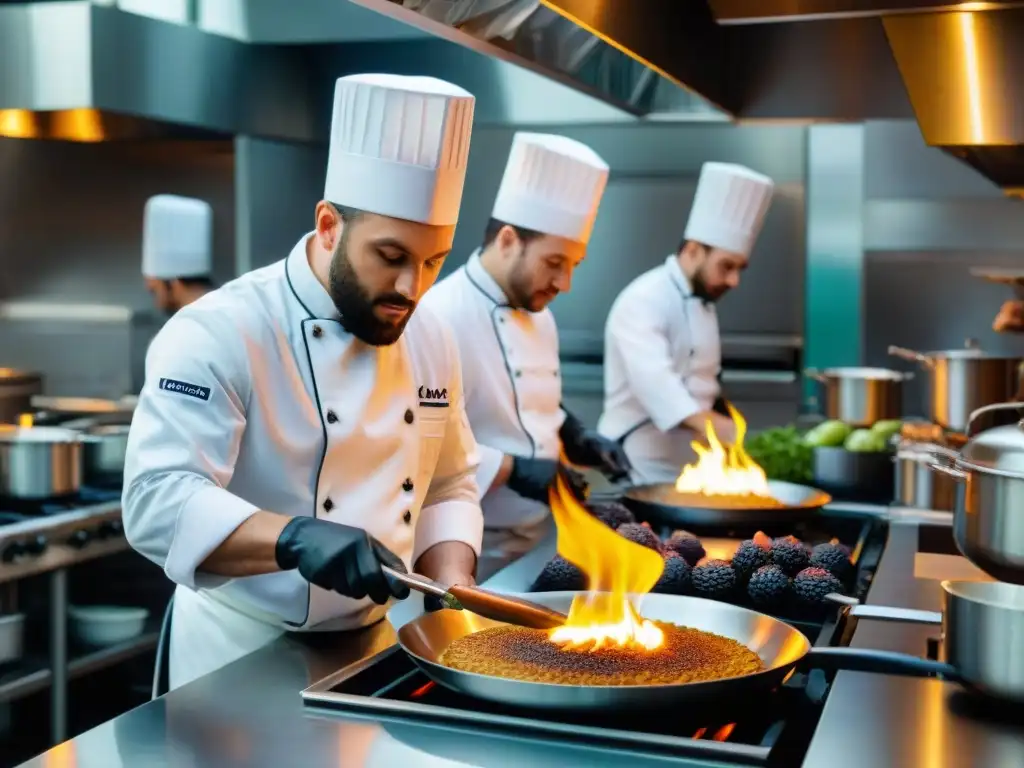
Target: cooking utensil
[
  {"x": 988, "y": 526},
  {"x": 103, "y": 450},
  {"x": 918, "y": 485},
  {"x": 39, "y": 463},
  {"x": 660, "y": 503},
  {"x": 854, "y": 475},
  {"x": 982, "y": 623},
  {"x": 16, "y": 391},
  {"x": 861, "y": 396},
  {"x": 490, "y": 605},
  {"x": 780, "y": 646},
  {"x": 963, "y": 380}
]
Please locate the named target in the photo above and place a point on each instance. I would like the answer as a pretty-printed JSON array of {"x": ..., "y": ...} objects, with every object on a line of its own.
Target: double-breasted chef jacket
[
  {"x": 662, "y": 363},
  {"x": 256, "y": 397},
  {"x": 512, "y": 381}
]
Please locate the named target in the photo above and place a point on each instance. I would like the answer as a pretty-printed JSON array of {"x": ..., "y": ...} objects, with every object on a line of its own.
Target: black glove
[
  {"x": 589, "y": 449},
  {"x": 533, "y": 478},
  {"x": 339, "y": 557}
]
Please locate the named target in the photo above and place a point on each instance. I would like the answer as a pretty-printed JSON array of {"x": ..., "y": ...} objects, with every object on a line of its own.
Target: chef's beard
[
  {"x": 521, "y": 293},
  {"x": 702, "y": 290},
  {"x": 355, "y": 304}
]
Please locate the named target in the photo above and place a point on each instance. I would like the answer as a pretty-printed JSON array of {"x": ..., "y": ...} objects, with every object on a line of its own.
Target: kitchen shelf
[{"x": 34, "y": 676}]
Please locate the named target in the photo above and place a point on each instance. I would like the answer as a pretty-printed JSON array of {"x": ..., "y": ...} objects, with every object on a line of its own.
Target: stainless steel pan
[
  {"x": 660, "y": 503},
  {"x": 781, "y": 647}
]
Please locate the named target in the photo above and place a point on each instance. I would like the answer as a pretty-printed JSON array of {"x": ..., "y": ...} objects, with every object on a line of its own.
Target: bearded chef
[
  {"x": 300, "y": 427},
  {"x": 497, "y": 306},
  {"x": 177, "y": 244},
  {"x": 663, "y": 358}
]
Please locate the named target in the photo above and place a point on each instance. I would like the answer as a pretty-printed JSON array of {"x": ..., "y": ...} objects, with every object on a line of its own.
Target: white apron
[
  {"x": 661, "y": 365},
  {"x": 257, "y": 398}
]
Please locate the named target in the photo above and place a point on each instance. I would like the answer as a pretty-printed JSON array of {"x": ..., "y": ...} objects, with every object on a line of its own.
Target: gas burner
[{"x": 86, "y": 497}]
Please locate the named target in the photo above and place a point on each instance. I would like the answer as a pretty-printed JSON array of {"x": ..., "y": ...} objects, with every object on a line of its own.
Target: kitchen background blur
[{"x": 869, "y": 242}]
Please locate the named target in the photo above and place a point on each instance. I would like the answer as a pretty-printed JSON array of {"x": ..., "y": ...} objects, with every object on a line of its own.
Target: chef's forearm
[
  {"x": 698, "y": 421},
  {"x": 446, "y": 557},
  {"x": 504, "y": 472},
  {"x": 250, "y": 549}
]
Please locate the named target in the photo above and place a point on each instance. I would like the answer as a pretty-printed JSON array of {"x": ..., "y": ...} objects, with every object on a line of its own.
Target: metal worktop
[{"x": 250, "y": 713}]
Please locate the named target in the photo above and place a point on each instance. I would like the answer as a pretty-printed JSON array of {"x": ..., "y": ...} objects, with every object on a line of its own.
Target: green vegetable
[
  {"x": 865, "y": 441},
  {"x": 828, "y": 434},
  {"x": 887, "y": 428},
  {"x": 782, "y": 454}
]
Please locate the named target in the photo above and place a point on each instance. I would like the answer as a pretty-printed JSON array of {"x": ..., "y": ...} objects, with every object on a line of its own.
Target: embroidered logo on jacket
[
  {"x": 433, "y": 398},
  {"x": 184, "y": 388}
]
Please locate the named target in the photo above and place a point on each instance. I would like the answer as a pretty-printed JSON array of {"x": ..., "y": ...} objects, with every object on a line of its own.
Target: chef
[
  {"x": 301, "y": 426},
  {"x": 663, "y": 358},
  {"x": 177, "y": 242},
  {"x": 497, "y": 306}
]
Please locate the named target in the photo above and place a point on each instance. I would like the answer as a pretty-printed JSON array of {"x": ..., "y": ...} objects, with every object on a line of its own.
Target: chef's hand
[
  {"x": 725, "y": 429},
  {"x": 449, "y": 563},
  {"x": 533, "y": 478},
  {"x": 1010, "y": 318},
  {"x": 339, "y": 557},
  {"x": 589, "y": 449}
]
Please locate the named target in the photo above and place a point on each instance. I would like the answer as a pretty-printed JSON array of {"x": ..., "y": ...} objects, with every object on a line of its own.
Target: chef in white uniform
[
  {"x": 663, "y": 357},
  {"x": 177, "y": 250},
  {"x": 300, "y": 426},
  {"x": 497, "y": 307}
]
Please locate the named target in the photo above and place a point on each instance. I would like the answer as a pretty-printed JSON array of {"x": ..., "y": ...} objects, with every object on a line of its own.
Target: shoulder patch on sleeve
[{"x": 185, "y": 388}]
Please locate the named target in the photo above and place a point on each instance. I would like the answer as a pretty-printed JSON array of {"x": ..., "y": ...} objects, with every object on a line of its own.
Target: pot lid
[
  {"x": 865, "y": 373},
  {"x": 12, "y": 434},
  {"x": 998, "y": 450}
]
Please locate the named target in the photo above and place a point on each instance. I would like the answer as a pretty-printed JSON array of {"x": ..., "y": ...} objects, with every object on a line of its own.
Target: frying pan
[
  {"x": 660, "y": 503},
  {"x": 780, "y": 646}
]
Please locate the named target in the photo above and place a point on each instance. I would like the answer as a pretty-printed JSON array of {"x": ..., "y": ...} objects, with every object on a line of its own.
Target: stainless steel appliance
[
  {"x": 964, "y": 380},
  {"x": 918, "y": 485},
  {"x": 39, "y": 463},
  {"x": 861, "y": 396}
]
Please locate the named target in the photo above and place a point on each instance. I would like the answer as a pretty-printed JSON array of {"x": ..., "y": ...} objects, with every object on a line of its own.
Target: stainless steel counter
[{"x": 250, "y": 712}]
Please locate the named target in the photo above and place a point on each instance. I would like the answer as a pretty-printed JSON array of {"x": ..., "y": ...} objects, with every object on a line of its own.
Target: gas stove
[
  {"x": 773, "y": 729},
  {"x": 44, "y": 536}
]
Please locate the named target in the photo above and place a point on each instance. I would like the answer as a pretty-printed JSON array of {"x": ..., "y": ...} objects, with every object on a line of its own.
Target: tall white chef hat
[
  {"x": 177, "y": 237},
  {"x": 729, "y": 207},
  {"x": 553, "y": 185},
  {"x": 399, "y": 146}
]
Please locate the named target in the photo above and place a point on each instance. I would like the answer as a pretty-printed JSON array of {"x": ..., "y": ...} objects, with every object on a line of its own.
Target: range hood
[{"x": 957, "y": 67}]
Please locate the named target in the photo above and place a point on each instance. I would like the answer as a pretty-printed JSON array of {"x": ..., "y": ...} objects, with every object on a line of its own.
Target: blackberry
[
  {"x": 715, "y": 579},
  {"x": 687, "y": 545},
  {"x": 559, "y": 575},
  {"x": 768, "y": 586},
  {"x": 640, "y": 534},
  {"x": 611, "y": 513},
  {"x": 833, "y": 557},
  {"x": 812, "y": 584},
  {"x": 751, "y": 555},
  {"x": 789, "y": 554},
  {"x": 675, "y": 579}
]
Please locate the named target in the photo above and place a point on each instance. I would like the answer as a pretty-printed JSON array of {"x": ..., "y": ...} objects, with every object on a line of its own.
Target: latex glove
[
  {"x": 533, "y": 478},
  {"x": 587, "y": 448},
  {"x": 339, "y": 557}
]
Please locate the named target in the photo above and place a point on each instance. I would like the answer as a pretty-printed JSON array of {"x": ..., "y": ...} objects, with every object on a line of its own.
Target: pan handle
[
  {"x": 912, "y": 356},
  {"x": 886, "y": 612},
  {"x": 879, "y": 662}
]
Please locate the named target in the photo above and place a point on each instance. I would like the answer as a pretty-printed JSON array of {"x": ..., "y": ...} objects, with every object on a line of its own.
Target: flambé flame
[
  {"x": 615, "y": 568},
  {"x": 723, "y": 470}
]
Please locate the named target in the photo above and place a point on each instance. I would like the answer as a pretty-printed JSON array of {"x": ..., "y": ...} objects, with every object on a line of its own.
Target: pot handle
[
  {"x": 886, "y": 612},
  {"x": 814, "y": 373},
  {"x": 979, "y": 412},
  {"x": 912, "y": 356},
  {"x": 937, "y": 458},
  {"x": 880, "y": 662}
]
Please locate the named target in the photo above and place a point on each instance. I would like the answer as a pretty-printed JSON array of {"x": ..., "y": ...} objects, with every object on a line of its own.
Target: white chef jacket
[
  {"x": 661, "y": 364},
  {"x": 257, "y": 398},
  {"x": 512, "y": 380}
]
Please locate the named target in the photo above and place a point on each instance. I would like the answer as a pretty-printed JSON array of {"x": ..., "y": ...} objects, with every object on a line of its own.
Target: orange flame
[
  {"x": 615, "y": 569},
  {"x": 723, "y": 470}
]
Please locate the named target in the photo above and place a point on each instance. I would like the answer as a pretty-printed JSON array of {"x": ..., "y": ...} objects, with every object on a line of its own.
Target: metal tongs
[{"x": 490, "y": 605}]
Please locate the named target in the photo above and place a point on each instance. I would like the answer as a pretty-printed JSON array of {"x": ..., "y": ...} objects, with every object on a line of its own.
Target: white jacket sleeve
[
  {"x": 182, "y": 448},
  {"x": 637, "y": 335},
  {"x": 451, "y": 509}
]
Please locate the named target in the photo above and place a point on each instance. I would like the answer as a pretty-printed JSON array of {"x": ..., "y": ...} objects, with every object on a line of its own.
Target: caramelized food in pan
[{"x": 686, "y": 656}]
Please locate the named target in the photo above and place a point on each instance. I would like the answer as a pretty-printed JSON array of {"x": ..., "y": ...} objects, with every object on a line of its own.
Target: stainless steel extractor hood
[{"x": 83, "y": 72}]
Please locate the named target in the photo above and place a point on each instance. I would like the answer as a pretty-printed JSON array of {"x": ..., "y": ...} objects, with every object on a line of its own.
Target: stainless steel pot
[
  {"x": 861, "y": 396},
  {"x": 104, "y": 444},
  {"x": 964, "y": 380},
  {"x": 853, "y": 476},
  {"x": 16, "y": 391},
  {"x": 39, "y": 463},
  {"x": 988, "y": 522},
  {"x": 917, "y": 485}
]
